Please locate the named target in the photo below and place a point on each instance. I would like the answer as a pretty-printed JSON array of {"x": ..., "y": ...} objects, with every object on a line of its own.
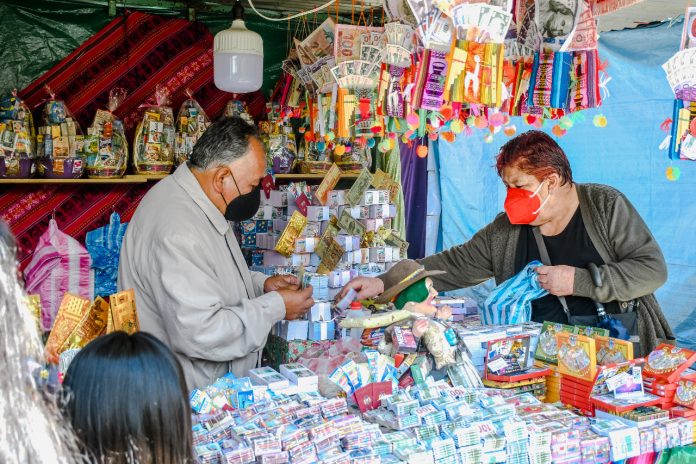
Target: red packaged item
[{"x": 668, "y": 362}]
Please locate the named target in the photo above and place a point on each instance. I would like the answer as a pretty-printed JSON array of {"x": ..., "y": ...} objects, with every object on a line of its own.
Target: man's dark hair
[{"x": 223, "y": 142}]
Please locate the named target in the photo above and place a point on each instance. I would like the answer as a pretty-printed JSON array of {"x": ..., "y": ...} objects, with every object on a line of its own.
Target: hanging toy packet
[
  {"x": 106, "y": 147},
  {"x": 190, "y": 125},
  {"x": 153, "y": 147},
  {"x": 60, "y": 141},
  {"x": 237, "y": 108},
  {"x": 17, "y": 138}
]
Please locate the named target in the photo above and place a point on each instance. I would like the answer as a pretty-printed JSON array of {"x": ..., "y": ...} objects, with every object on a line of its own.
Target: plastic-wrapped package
[
  {"x": 60, "y": 142},
  {"x": 60, "y": 265},
  {"x": 155, "y": 137},
  {"x": 106, "y": 147},
  {"x": 104, "y": 246},
  {"x": 237, "y": 108},
  {"x": 190, "y": 125},
  {"x": 282, "y": 151},
  {"x": 17, "y": 138}
]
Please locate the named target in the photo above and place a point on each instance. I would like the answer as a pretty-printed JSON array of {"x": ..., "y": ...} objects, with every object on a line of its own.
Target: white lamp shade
[{"x": 238, "y": 59}]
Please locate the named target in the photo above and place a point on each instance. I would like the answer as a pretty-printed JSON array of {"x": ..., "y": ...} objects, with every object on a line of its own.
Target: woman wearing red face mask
[{"x": 578, "y": 225}]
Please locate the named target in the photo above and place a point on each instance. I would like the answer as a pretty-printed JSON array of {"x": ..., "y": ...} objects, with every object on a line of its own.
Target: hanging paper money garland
[{"x": 445, "y": 69}]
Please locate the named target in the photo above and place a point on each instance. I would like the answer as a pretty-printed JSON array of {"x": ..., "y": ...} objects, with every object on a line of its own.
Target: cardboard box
[
  {"x": 306, "y": 244},
  {"x": 278, "y": 198},
  {"x": 299, "y": 375},
  {"x": 336, "y": 198},
  {"x": 273, "y": 258},
  {"x": 320, "y": 312},
  {"x": 317, "y": 213},
  {"x": 292, "y": 330},
  {"x": 269, "y": 377},
  {"x": 323, "y": 330},
  {"x": 379, "y": 212}
]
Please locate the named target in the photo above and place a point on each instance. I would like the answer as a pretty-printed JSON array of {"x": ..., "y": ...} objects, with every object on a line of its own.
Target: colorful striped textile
[{"x": 136, "y": 51}]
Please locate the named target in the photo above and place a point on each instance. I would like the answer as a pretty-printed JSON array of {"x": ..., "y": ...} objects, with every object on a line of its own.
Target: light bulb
[{"x": 238, "y": 56}]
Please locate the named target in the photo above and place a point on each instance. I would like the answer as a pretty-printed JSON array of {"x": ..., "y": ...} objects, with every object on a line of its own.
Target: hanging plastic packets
[
  {"x": 104, "y": 246},
  {"x": 541, "y": 80},
  {"x": 473, "y": 75},
  {"x": 434, "y": 69},
  {"x": 584, "y": 85},
  {"x": 282, "y": 150},
  {"x": 238, "y": 109},
  {"x": 492, "y": 75},
  {"x": 153, "y": 148},
  {"x": 17, "y": 138},
  {"x": 59, "y": 142},
  {"x": 511, "y": 301},
  {"x": 59, "y": 265},
  {"x": 106, "y": 147},
  {"x": 190, "y": 125}
]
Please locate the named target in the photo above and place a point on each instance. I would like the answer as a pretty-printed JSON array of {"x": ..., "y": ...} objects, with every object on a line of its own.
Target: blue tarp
[{"x": 624, "y": 155}]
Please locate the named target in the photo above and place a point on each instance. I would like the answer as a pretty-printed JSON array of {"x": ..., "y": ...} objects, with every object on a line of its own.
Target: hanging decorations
[
  {"x": 439, "y": 69},
  {"x": 681, "y": 141}
]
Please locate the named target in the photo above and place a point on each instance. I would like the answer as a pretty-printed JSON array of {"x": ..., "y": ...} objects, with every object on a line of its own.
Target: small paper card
[{"x": 268, "y": 184}]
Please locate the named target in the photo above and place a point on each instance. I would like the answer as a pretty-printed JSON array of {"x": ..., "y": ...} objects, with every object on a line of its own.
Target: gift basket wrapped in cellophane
[
  {"x": 155, "y": 137},
  {"x": 17, "y": 138},
  {"x": 191, "y": 123},
  {"x": 60, "y": 141},
  {"x": 106, "y": 147}
]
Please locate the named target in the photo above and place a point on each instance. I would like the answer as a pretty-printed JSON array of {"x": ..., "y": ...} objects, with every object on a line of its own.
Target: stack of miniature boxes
[
  {"x": 545, "y": 355},
  {"x": 668, "y": 374},
  {"x": 263, "y": 232}
]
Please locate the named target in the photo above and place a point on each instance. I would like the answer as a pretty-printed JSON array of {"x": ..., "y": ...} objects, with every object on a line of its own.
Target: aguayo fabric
[
  {"x": 511, "y": 301},
  {"x": 60, "y": 265},
  {"x": 77, "y": 209},
  {"x": 136, "y": 51},
  {"x": 104, "y": 246}
]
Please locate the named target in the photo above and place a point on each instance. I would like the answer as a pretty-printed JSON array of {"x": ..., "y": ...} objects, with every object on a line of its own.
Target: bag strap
[{"x": 546, "y": 260}]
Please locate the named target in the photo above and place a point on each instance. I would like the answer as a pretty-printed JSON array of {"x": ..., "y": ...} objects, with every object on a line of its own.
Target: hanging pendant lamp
[{"x": 238, "y": 56}]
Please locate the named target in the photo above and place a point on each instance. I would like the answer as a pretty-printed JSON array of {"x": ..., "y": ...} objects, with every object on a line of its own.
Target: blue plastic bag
[
  {"x": 511, "y": 301},
  {"x": 104, "y": 246}
]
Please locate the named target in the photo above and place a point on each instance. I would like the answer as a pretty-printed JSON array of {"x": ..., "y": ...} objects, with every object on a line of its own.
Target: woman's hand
[
  {"x": 557, "y": 280},
  {"x": 366, "y": 287}
]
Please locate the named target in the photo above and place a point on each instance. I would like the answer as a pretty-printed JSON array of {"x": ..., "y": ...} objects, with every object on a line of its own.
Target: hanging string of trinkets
[
  {"x": 439, "y": 69},
  {"x": 680, "y": 141}
]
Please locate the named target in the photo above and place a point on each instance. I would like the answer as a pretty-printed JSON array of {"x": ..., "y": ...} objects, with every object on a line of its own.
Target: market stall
[{"x": 356, "y": 109}]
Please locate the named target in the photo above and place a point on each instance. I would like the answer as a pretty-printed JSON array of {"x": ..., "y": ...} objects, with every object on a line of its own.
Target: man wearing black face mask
[{"x": 193, "y": 288}]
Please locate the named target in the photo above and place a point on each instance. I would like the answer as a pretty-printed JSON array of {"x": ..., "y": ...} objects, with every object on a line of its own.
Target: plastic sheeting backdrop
[
  {"x": 36, "y": 34},
  {"x": 624, "y": 155}
]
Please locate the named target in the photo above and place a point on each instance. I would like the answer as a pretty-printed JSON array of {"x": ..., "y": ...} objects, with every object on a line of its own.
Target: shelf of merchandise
[{"x": 128, "y": 179}]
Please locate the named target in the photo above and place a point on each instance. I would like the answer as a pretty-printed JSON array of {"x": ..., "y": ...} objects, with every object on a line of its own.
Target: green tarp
[{"x": 36, "y": 34}]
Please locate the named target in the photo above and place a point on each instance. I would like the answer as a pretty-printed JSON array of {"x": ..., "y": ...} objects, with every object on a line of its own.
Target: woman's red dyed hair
[{"x": 536, "y": 153}]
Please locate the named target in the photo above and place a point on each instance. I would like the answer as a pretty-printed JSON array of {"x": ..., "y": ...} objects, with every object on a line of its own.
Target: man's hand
[
  {"x": 558, "y": 280},
  {"x": 297, "y": 302},
  {"x": 367, "y": 287},
  {"x": 281, "y": 282}
]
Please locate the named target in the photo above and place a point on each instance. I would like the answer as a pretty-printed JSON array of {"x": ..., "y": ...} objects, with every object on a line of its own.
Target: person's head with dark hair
[
  {"x": 534, "y": 163},
  {"x": 33, "y": 429},
  {"x": 229, "y": 162},
  {"x": 127, "y": 400}
]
